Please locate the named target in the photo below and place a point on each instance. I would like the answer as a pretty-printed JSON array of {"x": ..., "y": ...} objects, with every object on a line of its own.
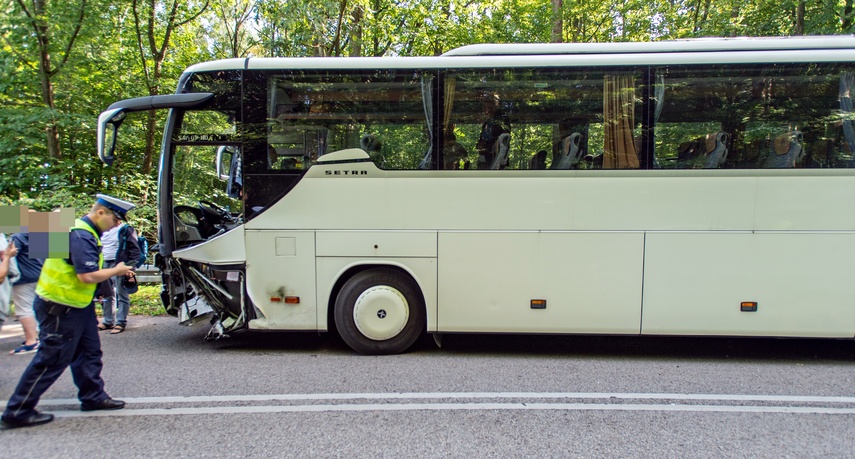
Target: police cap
[{"x": 118, "y": 206}]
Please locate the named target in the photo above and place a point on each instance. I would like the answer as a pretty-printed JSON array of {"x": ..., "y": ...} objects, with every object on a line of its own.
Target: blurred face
[{"x": 106, "y": 219}]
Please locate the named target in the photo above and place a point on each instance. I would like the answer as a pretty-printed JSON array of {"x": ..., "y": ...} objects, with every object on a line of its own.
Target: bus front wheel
[{"x": 380, "y": 311}]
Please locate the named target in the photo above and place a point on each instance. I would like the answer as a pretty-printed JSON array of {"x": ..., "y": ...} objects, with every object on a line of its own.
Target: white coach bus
[{"x": 697, "y": 187}]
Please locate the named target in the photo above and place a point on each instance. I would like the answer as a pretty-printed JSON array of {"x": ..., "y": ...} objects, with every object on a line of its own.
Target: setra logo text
[{"x": 346, "y": 172}]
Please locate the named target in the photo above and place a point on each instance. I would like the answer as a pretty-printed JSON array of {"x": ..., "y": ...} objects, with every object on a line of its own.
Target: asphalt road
[{"x": 305, "y": 395}]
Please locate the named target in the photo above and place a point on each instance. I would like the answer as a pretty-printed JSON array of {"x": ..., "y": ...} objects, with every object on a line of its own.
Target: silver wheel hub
[{"x": 381, "y": 312}]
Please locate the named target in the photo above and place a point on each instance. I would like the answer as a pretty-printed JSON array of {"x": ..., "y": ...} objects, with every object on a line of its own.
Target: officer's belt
[{"x": 57, "y": 309}]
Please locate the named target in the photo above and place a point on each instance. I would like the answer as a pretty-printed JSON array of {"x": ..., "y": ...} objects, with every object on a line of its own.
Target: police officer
[{"x": 67, "y": 321}]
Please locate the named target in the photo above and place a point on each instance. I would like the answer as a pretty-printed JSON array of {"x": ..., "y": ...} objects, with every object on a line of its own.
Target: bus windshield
[{"x": 206, "y": 202}]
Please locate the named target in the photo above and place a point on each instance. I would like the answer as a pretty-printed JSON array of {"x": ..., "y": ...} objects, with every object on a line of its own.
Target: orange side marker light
[{"x": 748, "y": 306}]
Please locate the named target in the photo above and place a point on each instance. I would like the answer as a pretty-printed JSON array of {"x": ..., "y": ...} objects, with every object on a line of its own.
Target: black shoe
[
  {"x": 106, "y": 404},
  {"x": 34, "y": 420}
]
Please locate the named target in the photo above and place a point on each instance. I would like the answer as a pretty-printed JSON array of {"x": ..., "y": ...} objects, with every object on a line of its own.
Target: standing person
[
  {"x": 495, "y": 124},
  {"x": 67, "y": 322},
  {"x": 454, "y": 155},
  {"x": 7, "y": 275},
  {"x": 24, "y": 293},
  {"x": 120, "y": 245}
]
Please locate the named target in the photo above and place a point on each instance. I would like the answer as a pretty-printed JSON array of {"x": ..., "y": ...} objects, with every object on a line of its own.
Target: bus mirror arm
[{"x": 110, "y": 119}]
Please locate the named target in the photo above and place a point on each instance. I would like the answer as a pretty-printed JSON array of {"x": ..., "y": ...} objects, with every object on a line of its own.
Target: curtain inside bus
[
  {"x": 619, "y": 119},
  {"x": 847, "y": 81},
  {"x": 659, "y": 94},
  {"x": 427, "y": 102},
  {"x": 450, "y": 85}
]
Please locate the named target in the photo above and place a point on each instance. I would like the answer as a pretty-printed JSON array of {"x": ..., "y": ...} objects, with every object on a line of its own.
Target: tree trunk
[
  {"x": 150, "y": 127},
  {"x": 51, "y": 130},
  {"x": 800, "y": 18},
  {"x": 235, "y": 42},
  {"x": 697, "y": 12},
  {"x": 233, "y": 16},
  {"x": 335, "y": 48},
  {"x": 147, "y": 36},
  {"x": 356, "y": 36},
  {"x": 45, "y": 72},
  {"x": 557, "y": 21},
  {"x": 846, "y": 22},
  {"x": 734, "y": 15},
  {"x": 151, "y": 121}
]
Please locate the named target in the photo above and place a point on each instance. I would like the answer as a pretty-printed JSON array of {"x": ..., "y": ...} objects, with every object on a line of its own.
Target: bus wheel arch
[{"x": 379, "y": 310}]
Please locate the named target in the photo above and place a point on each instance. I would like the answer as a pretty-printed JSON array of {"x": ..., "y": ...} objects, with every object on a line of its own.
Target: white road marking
[
  {"x": 472, "y": 395},
  {"x": 11, "y": 331},
  {"x": 452, "y": 407},
  {"x": 446, "y": 402}
]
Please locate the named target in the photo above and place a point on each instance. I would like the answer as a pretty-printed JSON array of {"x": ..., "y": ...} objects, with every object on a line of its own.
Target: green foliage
[
  {"x": 196, "y": 178},
  {"x": 104, "y": 64},
  {"x": 146, "y": 302}
]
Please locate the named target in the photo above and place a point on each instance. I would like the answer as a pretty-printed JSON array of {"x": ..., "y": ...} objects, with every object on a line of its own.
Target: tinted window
[
  {"x": 541, "y": 119},
  {"x": 754, "y": 117},
  {"x": 314, "y": 113}
]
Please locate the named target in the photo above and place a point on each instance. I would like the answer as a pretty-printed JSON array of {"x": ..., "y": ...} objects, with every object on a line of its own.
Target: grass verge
[{"x": 146, "y": 302}]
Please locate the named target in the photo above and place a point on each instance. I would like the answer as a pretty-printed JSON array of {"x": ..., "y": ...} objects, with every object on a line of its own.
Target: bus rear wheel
[{"x": 380, "y": 311}]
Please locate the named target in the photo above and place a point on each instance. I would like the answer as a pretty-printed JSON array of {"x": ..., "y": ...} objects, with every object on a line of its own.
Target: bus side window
[
  {"x": 570, "y": 152},
  {"x": 538, "y": 118},
  {"x": 786, "y": 151},
  {"x": 319, "y": 112},
  {"x": 688, "y": 132},
  {"x": 371, "y": 145},
  {"x": 706, "y": 152},
  {"x": 620, "y": 149},
  {"x": 455, "y": 156},
  {"x": 538, "y": 161},
  {"x": 500, "y": 151},
  {"x": 774, "y": 116}
]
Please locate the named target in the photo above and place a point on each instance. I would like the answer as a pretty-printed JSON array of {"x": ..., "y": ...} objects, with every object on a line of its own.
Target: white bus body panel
[
  {"x": 412, "y": 251},
  {"x": 280, "y": 264},
  {"x": 227, "y": 248},
  {"x": 573, "y": 238},
  {"x": 591, "y": 282},
  {"x": 620, "y": 200},
  {"x": 802, "y": 284},
  {"x": 377, "y": 244}
]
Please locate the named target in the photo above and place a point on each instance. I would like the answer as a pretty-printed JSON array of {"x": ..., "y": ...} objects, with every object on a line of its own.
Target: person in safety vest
[{"x": 68, "y": 327}]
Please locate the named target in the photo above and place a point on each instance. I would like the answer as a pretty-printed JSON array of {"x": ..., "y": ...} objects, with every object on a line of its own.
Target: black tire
[{"x": 380, "y": 311}]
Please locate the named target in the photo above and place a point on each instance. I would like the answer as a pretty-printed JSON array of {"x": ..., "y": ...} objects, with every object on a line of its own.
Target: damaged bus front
[{"x": 201, "y": 251}]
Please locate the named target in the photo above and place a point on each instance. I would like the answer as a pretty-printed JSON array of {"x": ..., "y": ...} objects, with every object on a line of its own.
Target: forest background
[{"x": 63, "y": 62}]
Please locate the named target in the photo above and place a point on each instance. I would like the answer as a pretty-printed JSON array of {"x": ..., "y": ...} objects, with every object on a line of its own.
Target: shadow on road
[
  {"x": 652, "y": 347},
  {"x": 702, "y": 348}
]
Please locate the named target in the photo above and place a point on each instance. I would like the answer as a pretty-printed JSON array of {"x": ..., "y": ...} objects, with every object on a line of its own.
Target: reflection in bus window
[
  {"x": 546, "y": 118},
  {"x": 204, "y": 206},
  {"x": 314, "y": 113},
  {"x": 200, "y": 156},
  {"x": 207, "y": 126},
  {"x": 755, "y": 117}
]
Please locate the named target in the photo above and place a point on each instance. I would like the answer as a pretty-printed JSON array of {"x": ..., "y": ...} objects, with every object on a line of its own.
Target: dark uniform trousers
[{"x": 69, "y": 338}]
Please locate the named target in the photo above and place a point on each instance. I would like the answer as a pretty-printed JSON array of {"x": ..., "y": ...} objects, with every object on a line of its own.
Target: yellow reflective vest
[{"x": 58, "y": 281}]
